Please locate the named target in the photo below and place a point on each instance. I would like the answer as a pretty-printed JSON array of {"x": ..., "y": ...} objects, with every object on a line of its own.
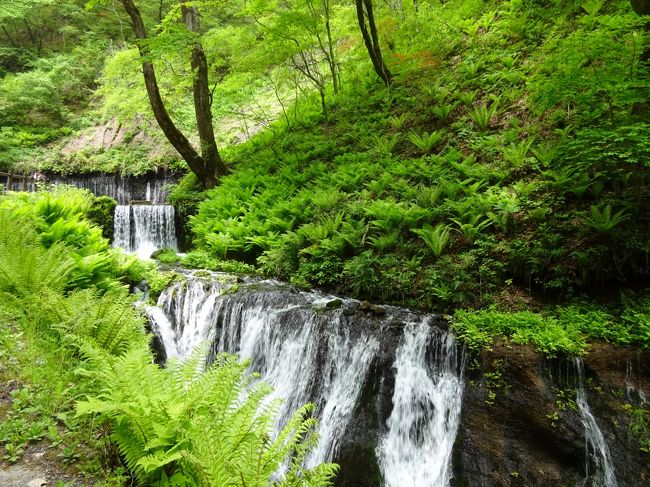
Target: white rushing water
[
  {"x": 427, "y": 402},
  {"x": 143, "y": 229},
  {"x": 633, "y": 392},
  {"x": 307, "y": 354},
  {"x": 122, "y": 189},
  {"x": 598, "y": 466},
  {"x": 281, "y": 339}
]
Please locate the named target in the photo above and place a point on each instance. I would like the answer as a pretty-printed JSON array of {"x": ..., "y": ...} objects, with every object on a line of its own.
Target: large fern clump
[
  {"x": 59, "y": 221},
  {"x": 25, "y": 265},
  {"x": 185, "y": 426}
]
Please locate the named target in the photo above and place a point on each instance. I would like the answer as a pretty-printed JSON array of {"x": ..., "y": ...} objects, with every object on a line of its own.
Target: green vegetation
[
  {"x": 488, "y": 158},
  {"x": 468, "y": 177},
  {"x": 508, "y": 156},
  {"x": 563, "y": 329},
  {"x": 639, "y": 424},
  {"x": 94, "y": 394}
]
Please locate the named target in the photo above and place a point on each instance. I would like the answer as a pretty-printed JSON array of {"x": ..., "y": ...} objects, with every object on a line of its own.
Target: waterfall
[
  {"x": 144, "y": 229},
  {"x": 427, "y": 402},
  {"x": 122, "y": 189},
  {"x": 310, "y": 352},
  {"x": 633, "y": 393},
  {"x": 597, "y": 452}
]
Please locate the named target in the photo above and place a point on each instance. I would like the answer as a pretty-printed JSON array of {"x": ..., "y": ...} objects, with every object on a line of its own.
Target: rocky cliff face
[{"x": 521, "y": 425}]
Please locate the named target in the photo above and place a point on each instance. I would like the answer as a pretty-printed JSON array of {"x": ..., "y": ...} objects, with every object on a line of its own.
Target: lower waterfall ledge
[{"x": 520, "y": 422}]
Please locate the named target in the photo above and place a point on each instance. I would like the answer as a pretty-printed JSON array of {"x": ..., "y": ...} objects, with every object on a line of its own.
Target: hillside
[{"x": 505, "y": 164}]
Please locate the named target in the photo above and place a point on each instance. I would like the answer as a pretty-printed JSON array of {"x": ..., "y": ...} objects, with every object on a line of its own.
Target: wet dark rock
[
  {"x": 157, "y": 347},
  {"x": 529, "y": 433},
  {"x": 373, "y": 309}
]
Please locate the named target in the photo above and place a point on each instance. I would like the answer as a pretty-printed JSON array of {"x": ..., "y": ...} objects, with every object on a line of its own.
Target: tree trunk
[
  {"x": 371, "y": 39},
  {"x": 206, "y": 174},
  {"x": 334, "y": 69},
  {"x": 213, "y": 163}
]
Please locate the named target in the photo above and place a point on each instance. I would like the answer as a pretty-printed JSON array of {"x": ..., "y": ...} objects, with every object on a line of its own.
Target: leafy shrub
[
  {"x": 478, "y": 328},
  {"x": 200, "y": 259}
]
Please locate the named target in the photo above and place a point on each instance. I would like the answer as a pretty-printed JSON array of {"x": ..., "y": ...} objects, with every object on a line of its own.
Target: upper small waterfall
[
  {"x": 123, "y": 189},
  {"x": 143, "y": 229},
  {"x": 599, "y": 468},
  {"x": 313, "y": 347}
]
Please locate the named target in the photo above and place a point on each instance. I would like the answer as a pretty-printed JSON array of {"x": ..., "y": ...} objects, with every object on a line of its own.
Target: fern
[
  {"x": 602, "y": 220},
  {"x": 209, "y": 427},
  {"x": 25, "y": 266},
  {"x": 436, "y": 238},
  {"x": 444, "y": 110},
  {"x": 472, "y": 227},
  {"x": 482, "y": 115},
  {"x": 383, "y": 242},
  {"x": 385, "y": 144},
  {"x": 425, "y": 142},
  {"x": 516, "y": 154},
  {"x": 467, "y": 98},
  {"x": 398, "y": 121}
]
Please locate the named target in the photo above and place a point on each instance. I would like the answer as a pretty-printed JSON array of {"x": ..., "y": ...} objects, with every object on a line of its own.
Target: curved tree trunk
[
  {"x": 371, "y": 39},
  {"x": 213, "y": 164},
  {"x": 207, "y": 170}
]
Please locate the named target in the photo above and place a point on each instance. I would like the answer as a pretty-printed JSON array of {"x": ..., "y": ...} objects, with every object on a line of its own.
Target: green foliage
[
  {"x": 482, "y": 115},
  {"x": 639, "y": 424},
  {"x": 199, "y": 427},
  {"x": 426, "y": 141},
  {"x": 472, "y": 226},
  {"x": 25, "y": 266},
  {"x": 549, "y": 335},
  {"x": 200, "y": 259},
  {"x": 516, "y": 154},
  {"x": 536, "y": 116},
  {"x": 56, "y": 224},
  {"x": 435, "y": 238},
  {"x": 563, "y": 329},
  {"x": 175, "y": 426},
  {"x": 602, "y": 220},
  {"x": 159, "y": 281},
  {"x": 101, "y": 214},
  {"x": 444, "y": 110},
  {"x": 166, "y": 256}
]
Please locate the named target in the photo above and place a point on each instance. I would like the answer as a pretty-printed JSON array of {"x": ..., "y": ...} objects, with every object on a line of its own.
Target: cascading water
[
  {"x": 633, "y": 392},
  {"x": 426, "y": 410},
  {"x": 143, "y": 229},
  {"x": 599, "y": 468},
  {"x": 122, "y": 189},
  {"x": 310, "y": 352}
]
